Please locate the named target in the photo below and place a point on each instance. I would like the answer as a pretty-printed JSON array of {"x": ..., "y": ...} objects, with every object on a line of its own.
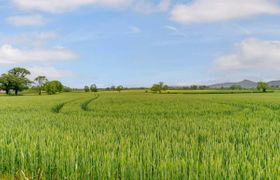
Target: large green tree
[
  {"x": 6, "y": 82},
  {"x": 263, "y": 86},
  {"x": 20, "y": 80},
  {"x": 19, "y": 72},
  {"x": 16, "y": 79}
]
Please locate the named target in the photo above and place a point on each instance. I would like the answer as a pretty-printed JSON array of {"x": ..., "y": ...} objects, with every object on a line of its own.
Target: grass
[{"x": 137, "y": 135}]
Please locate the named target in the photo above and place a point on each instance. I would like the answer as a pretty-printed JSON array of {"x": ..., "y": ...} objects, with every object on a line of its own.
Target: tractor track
[{"x": 84, "y": 105}]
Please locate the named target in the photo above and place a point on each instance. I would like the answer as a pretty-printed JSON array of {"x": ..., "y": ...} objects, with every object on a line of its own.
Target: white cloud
[
  {"x": 12, "y": 55},
  {"x": 33, "y": 20},
  {"x": 135, "y": 29},
  {"x": 49, "y": 72},
  {"x": 55, "y": 6},
  {"x": 252, "y": 55},
  {"x": 200, "y": 11}
]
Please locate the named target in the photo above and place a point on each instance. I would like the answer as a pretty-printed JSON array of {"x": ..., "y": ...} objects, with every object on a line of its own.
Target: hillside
[
  {"x": 274, "y": 83},
  {"x": 244, "y": 84}
]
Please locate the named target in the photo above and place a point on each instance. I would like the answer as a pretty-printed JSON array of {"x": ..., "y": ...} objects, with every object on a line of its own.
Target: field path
[
  {"x": 82, "y": 102},
  {"x": 58, "y": 107},
  {"x": 84, "y": 105}
]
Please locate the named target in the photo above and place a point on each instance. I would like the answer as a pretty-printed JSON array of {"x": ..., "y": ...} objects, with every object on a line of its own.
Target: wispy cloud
[
  {"x": 256, "y": 30},
  {"x": 54, "y": 6},
  {"x": 12, "y": 55},
  {"x": 33, "y": 20},
  {"x": 34, "y": 39},
  {"x": 171, "y": 28},
  {"x": 175, "y": 31},
  {"x": 201, "y": 11}
]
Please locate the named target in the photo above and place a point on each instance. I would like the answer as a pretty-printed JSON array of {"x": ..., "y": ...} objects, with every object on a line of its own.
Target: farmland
[{"x": 137, "y": 135}]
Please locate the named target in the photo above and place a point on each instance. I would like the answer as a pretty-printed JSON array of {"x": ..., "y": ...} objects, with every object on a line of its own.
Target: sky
[{"x": 140, "y": 42}]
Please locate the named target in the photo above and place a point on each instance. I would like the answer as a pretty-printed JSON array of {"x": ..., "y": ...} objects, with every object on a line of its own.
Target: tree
[
  {"x": 93, "y": 88},
  {"x": 16, "y": 79},
  {"x": 67, "y": 89},
  {"x": 19, "y": 72},
  {"x": 113, "y": 88},
  {"x": 40, "y": 80},
  {"x": 155, "y": 88},
  {"x": 235, "y": 87},
  {"x": 53, "y": 87},
  {"x": 119, "y": 88},
  {"x": 194, "y": 87},
  {"x": 159, "y": 87},
  {"x": 262, "y": 86},
  {"x": 20, "y": 81},
  {"x": 6, "y": 82},
  {"x": 86, "y": 88},
  {"x": 203, "y": 87}
]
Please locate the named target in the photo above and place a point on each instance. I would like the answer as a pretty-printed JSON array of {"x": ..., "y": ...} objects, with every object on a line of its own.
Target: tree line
[
  {"x": 16, "y": 80},
  {"x": 159, "y": 87},
  {"x": 93, "y": 88}
]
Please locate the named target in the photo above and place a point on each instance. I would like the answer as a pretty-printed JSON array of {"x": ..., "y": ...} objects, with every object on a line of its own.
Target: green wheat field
[{"x": 137, "y": 135}]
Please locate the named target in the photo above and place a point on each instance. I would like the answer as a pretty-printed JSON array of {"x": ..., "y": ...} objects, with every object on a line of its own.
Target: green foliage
[
  {"x": 235, "y": 87},
  {"x": 40, "y": 82},
  {"x": 86, "y": 89},
  {"x": 158, "y": 88},
  {"x": 6, "y": 82},
  {"x": 194, "y": 87},
  {"x": 67, "y": 89},
  {"x": 119, "y": 88},
  {"x": 16, "y": 79},
  {"x": 93, "y": 88},
  {"x": 262, "y": 86},
  {"x": 53, "y": 87}
]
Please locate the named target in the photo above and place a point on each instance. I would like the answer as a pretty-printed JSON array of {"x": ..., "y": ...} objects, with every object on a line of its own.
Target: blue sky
[{"x": 138, "y": 43}]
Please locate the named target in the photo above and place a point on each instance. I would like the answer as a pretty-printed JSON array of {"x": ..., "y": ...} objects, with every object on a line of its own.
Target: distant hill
[
  {"x": 274, "y": 83},
  {"x": 244, "y": 84}
]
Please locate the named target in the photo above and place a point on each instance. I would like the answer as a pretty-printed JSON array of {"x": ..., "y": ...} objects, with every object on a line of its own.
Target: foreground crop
[{"x": 135, "y": 135}]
